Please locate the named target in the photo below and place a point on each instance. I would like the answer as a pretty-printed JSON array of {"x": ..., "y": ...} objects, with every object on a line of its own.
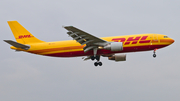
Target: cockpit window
[{"x": 165, "y": 36}]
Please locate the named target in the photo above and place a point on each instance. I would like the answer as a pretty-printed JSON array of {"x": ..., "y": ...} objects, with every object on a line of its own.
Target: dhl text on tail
[{"x": 85, "y": 44}]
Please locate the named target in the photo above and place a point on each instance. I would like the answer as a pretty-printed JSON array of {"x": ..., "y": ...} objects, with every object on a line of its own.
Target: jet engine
[
  {"x": 118, "y": 57},
  {"x": 114, "y": 46}
]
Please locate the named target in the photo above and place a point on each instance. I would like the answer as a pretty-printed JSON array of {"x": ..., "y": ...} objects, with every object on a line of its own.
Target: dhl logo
[
  {"x": 24, "y": 36},
  {"x": 132, "y": 40}
]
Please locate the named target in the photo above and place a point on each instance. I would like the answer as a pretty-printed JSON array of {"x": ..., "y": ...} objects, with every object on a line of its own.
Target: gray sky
[{"x": 29, "y": 77}]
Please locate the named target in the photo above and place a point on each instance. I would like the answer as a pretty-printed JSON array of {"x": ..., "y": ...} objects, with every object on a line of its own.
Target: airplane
[{"x": 85, "y": 44}]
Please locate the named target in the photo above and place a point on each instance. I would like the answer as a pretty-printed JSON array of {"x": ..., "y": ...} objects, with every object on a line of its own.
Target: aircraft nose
[
  {"x": 168, "y": 41},
  {"x": 172, "y": 41}
]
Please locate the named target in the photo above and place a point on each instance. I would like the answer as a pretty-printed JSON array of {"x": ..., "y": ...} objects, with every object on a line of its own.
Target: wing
[{"x": 85, "y": 38}]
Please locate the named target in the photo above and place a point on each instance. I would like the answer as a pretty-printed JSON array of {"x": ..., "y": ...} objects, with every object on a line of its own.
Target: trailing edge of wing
[
  {"x": 17, "y": 45},
  {"x": 82, "y": 37}
]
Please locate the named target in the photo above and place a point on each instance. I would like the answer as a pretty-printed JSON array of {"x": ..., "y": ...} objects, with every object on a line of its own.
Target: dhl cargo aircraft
[{"x": 84, "y": 44}]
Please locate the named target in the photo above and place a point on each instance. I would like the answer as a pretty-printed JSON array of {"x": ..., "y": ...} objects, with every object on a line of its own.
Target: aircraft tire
[
  {"x": 92, "y": 58},
  {"x": 96, "y": 64},
  {"x": 154, "y": 55},
  {"x": 100, "y": 63}
]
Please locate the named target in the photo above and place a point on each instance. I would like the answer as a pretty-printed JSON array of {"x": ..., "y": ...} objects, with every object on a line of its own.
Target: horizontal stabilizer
[{"x": 17, "y": 45}]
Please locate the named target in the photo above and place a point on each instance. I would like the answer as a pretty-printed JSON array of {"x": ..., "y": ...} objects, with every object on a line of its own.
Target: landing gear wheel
[
  {"x": 96, "y": 64},
  {"x": 154, "y": 55},
  {"x": 97, "y": 57},
  {"x": 100, "y": 63},
  {"x": 92, "y": 57}
]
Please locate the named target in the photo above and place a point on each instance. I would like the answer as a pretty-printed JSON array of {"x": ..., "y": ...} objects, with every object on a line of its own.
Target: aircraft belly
[{"x": 103, "y": 51}]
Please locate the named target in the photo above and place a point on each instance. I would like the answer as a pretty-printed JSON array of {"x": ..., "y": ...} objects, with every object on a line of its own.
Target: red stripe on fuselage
[{"x": 103, "y": 52}]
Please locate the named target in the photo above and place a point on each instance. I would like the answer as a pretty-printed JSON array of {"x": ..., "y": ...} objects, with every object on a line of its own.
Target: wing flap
[
  {"x": 82, "y": 37},
  {"x": 79, "y": 34}
]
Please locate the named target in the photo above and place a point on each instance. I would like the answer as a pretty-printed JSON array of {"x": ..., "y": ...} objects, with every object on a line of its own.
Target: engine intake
[
  {"x": 118, "y": 57},
  {"x": 114, "y": 46}
]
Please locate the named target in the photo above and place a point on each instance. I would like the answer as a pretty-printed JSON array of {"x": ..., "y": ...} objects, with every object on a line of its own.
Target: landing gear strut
[
  {"x": 96, "y": 57},
  {"x": 154, "y": 55}
]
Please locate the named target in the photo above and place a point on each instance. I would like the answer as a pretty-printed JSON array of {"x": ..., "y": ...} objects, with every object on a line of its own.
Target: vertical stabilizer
[{"x": 22, "y": 35}]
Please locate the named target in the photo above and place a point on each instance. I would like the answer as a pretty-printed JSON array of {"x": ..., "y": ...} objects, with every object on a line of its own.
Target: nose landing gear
[{"x": 154, "y": 55}]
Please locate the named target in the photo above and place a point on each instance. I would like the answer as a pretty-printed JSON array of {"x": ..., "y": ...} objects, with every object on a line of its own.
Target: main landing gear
[
  {"x": 97, "y": 58},
  {"x": 154, "y": 55}
]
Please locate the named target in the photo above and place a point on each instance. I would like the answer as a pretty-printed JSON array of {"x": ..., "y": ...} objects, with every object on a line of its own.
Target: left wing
[{"x": 82, "y": 37}]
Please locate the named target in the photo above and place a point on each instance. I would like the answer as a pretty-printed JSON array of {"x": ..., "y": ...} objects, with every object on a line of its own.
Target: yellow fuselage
[{"x": 71, "y": 48}]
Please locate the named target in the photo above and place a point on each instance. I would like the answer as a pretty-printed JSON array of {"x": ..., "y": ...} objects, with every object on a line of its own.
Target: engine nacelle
[
  {"x": 118, "y": 57},
  {"x": 114, "y": 46}
]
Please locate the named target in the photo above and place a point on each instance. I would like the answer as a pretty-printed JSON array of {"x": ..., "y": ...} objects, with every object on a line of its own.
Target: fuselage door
[{"x": 155, "y": 38}]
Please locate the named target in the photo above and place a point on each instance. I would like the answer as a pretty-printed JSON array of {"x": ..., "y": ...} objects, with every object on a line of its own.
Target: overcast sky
[{"x": 29, "y": 77}]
